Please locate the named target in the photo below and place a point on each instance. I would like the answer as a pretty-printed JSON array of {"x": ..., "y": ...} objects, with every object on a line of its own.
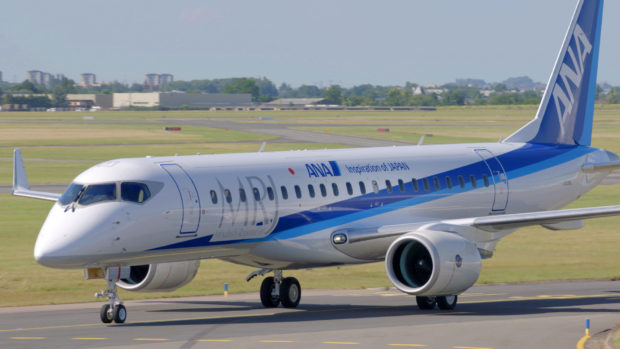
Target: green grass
[{"x": 527, "y": 255}]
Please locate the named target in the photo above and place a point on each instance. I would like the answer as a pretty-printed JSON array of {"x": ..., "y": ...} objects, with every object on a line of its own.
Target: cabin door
[{"x": 190, "y": 201}]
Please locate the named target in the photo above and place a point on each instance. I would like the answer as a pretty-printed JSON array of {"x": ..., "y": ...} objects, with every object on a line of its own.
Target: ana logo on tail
[{"x": 564, "y": 100}]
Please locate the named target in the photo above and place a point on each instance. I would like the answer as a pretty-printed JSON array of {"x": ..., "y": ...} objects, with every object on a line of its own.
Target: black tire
[
  {"x": 290, "y": 292},
  {"x": 120, "y": 314},
  {"x": 106, "y": 315},
  {"x": 266, "y": 293},
  {"x": 447, "y": 302},
  {"x": 426, "y": 303}
]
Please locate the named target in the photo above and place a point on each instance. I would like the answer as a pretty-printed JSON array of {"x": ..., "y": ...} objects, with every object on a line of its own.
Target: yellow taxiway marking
[
  {"x": 90, "y": 338},
  {"x": 341, "y": 343},
  {"x": 582, "y": 342},
  {"x": 28, "y": 337},
  {"x": 213, "y": 340},
  {"x": 275, "y": 341},
  {"x": 150, "y": 339},
  {"x": 407, "y": 345}
]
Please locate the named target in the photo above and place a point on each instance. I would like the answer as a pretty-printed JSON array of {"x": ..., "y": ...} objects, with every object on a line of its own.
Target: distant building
[
  {"x": 105, "y": 101},
  {"x": 175, "y": 99},
  {"x": 88, "y": 79},
  {"x": 39, "y": 77},
  {"x": 295, "y": 102},
  {"x": 155, "y": 81}
]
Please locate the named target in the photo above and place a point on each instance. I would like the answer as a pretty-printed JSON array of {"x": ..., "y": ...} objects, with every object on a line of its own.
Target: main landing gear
[
  {"x": 443, "y": 302},
  {"x": 114, "y": 310},
  {"x": 275, "y": 290}
]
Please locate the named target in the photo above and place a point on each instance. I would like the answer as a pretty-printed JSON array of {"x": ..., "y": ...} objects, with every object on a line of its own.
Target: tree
[
  {"x": 243, "y": 85},
  {"x": 26, "y": 86},
  {"x": 333, "y": 95},
  {"x": 308, "y": 91},
  {"x": 500, "y": 88},
  {"x": 59, "y": 97},
  {"x": 396, "y": 97}
]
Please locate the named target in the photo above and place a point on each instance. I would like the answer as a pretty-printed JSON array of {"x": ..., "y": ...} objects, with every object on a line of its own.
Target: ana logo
[
  {"x": 458, "y": 260},
  {"x": 322, "y": 169},
  {"x": 564, "y": 98}
]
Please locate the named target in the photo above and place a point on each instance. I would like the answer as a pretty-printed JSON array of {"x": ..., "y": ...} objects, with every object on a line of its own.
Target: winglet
[{"x": 20, "y": 182}]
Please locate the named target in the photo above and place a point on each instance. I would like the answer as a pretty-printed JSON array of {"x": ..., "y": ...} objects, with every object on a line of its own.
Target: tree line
[{"x": 264, "y": 90}]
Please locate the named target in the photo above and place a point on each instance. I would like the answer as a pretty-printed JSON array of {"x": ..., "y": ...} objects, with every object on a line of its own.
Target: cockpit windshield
[
  {"x": 71, "y": 194},
  {"x": 135, "y": 192},
  {"x": 97, "y": 193}
]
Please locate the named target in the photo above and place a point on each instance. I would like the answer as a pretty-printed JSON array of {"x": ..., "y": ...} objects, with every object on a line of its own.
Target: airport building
[
  {"x": 87, "y": 101},
  {"x": 178, "y": 99}
]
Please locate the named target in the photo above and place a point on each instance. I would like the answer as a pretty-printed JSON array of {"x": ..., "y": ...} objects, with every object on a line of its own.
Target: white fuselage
[{"x": 245, "y": 207}]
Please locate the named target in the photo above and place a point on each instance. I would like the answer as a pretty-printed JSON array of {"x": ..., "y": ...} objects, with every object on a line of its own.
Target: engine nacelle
[
  {"x": 433, "y": 263},
  {"x": 163, "y": 277}
]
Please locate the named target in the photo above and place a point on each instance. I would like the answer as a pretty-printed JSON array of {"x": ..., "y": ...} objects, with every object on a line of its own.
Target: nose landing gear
[{"x": 114, "y": 310}]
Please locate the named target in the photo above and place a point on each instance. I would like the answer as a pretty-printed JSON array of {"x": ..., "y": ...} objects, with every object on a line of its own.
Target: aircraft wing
[{"x": 20, "y": 182}]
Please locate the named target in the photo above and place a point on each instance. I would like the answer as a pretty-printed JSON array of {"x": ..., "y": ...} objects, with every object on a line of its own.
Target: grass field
[{"x": 58, "y": 146}]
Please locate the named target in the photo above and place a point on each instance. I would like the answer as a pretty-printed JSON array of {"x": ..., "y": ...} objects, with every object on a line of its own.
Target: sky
[{"x": 321, "y": 42}]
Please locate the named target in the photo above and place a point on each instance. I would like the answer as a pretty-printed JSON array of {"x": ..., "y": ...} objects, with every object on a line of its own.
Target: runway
[{"x": 533, "y": 315}]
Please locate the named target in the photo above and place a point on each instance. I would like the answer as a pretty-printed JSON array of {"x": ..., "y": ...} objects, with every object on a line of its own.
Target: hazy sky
[{"x": 301, "y": 42}]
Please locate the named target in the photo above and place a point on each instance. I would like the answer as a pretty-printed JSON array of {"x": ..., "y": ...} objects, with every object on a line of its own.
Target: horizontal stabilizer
[
  {"x": 20, "y": 182},
  {"x": 602, "y": 166}
]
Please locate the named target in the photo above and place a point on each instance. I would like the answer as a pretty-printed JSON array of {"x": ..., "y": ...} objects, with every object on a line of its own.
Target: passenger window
[
  {"x": 375, "y": 187},
  {"x": 388, "y": 186},
  {"x": 436, "y": 183},
  {"x": 71, "y": 194},
  {"x": 449, "y": 182},
  {"x": 284, "y": 192},
  {"x": 485, "y": 179},
  {"x": 98, "y": 192},
  {"x": 256, "y": 194},
  {"x": 473, "y": 181},
  {"x": 311, "y": 190},
  {"x": 349, "y": 188},
  {"x": 461, "y": 181},
  {"x": 242, "y": 195},
  {"x": 298, "y": 192},
  {"x": 401, "y": 185},
  {"x": 427, "y": 187},
  {"x": 323, "y": 190},
  {"x": 213, "y": 197},
  {"x": 416, "y": 187},
  {"x": 270, "y": 193},
  {"x": 227, "y": 196},
  {"x": 362, "y": 188},
  {"x": 335, "y": 189}
]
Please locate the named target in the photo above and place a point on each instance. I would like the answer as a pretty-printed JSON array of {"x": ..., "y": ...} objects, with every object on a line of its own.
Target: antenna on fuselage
[
  {"x": 262, "y": 147},
  {"x": 421, "y": 141}
]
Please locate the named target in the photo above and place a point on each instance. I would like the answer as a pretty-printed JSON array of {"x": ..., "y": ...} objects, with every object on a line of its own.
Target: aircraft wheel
[
  {"x": 426, "y": 303},
  {"x": 447, "y": 302},
  {"x": 105, "y": 314},
  {"x": 290, "y": 292},
  {"x": 120, "y": 314},
  {"x": 267, "y": 297}
]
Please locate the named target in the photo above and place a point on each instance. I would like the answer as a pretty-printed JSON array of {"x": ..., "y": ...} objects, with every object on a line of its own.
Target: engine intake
[
  {"x": 163, "y": 277},
  {"x": 433, "y": 263}
]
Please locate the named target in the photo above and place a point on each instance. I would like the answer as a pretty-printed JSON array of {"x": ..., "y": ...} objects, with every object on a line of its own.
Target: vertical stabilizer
[{"x": 567, "y": 108}]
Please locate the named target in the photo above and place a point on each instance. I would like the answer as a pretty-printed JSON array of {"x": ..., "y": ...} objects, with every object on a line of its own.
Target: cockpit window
[
  {"x": 135, "y": 192},
  {"x": 71, "y": 194},
  {"x": 97, "y": 193}
]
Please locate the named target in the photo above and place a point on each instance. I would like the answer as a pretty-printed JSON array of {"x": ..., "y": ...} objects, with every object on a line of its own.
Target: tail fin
[{"x": 567, "y": 108}]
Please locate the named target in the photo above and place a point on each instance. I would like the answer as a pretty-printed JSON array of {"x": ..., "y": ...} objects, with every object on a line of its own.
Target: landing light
[{"x": 339, "y": 239}]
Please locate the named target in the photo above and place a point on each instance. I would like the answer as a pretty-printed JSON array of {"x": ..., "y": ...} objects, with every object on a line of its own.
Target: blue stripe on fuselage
[{"x": 526, "y": 160}]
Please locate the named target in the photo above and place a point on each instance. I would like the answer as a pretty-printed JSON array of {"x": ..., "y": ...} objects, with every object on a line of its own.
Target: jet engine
[
  {"x": 163, "y": 277},
  {"x": 433, "y": 263}
]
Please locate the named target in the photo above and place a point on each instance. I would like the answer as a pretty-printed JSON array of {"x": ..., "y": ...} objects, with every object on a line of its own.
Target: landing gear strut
[
  {"x": 275, "y": 290},
  {"x": 443, "y": 302},
  {"x": 114, "y": 310}
]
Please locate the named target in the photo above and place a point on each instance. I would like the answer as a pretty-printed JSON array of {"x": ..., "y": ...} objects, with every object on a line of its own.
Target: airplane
[{"x": 431, "y": 212}]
